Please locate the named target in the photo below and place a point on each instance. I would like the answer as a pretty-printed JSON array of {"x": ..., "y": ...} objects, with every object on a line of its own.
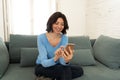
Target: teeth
[{"x": 58, "y": 29}]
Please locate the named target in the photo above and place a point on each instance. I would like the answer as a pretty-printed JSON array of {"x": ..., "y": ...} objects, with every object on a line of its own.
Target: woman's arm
[
  {"x": 64, "y": 43},
  {"x": 42, "y": 57}
]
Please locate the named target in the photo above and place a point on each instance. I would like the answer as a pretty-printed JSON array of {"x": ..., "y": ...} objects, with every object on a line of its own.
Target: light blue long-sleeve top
[{"x": 47, "y": 51}]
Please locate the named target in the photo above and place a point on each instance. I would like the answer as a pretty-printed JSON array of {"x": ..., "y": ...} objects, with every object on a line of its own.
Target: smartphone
[{"x": 71, "y": 45}]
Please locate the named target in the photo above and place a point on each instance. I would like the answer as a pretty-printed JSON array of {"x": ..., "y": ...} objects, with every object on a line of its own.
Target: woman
[{"x": 53, "y": 60}]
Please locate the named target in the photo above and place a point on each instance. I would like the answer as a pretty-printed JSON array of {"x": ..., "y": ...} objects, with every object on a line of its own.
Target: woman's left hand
[{"x": 67, "y": 55}]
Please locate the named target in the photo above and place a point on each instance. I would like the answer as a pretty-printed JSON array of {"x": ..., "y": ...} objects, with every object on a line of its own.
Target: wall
[
  {"x": 92, "y": 17},
  {"x": 88, "y": 17},
  {"x": 1, "y": 21},
  {"x": 103, "y": 18},
  {"x": 75, "y": 11}
]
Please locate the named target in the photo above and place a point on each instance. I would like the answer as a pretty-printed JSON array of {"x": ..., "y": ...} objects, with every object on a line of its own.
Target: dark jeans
[{"x": 59, "y": 72}]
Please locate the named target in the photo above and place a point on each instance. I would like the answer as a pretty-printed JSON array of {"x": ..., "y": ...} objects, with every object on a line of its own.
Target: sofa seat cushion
[
  {"x": 99, "y": 72},
  {"x": 107, "y": 51},
  {"x": 15, "y": 72},
  {"x": 4, "y": 58}
]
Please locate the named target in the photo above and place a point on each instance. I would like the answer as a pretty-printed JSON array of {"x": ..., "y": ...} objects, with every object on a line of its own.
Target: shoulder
[
  {"x": 41, "y": 35},
  {"x": 64, "y": 37}
]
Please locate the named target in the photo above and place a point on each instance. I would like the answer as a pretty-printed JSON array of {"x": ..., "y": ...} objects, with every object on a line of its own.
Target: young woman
[{"x": 53, "y": 60}]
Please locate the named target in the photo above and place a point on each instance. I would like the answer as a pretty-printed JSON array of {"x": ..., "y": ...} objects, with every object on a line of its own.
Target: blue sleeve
[
  {"x": 42, "y": 57},
  {"x": 64, "y": 43}
]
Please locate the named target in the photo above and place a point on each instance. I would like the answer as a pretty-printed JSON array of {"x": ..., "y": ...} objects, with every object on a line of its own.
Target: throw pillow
[
  {"x": 20, "y": 41},
  {"x": 4, "y": 58},
  {"x": 81, "y": 42},
  {"x": 83, "y": 57},
  {"x": 107, "y": 51},
  {"x": 28, "y": 57}
]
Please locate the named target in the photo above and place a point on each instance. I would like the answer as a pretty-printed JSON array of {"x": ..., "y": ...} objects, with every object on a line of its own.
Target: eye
[
  {"x": 62, "y": 24},
  {"x": 57, "y": 23}
]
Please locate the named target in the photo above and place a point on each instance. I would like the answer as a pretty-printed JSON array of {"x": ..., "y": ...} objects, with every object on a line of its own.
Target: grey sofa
[{"x": 22, "y": 53}]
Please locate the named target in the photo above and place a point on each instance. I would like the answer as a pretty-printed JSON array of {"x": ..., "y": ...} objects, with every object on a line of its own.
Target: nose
[{"x": 59, "y": 26}]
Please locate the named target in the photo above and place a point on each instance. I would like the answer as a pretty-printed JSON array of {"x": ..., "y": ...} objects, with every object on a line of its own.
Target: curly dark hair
[{"x": 53, "y": 18}]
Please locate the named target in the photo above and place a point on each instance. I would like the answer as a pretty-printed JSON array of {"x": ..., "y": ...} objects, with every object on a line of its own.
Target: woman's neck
[
  {"x": 52, "y": 35},
  {"x": 55, "y": 35}
]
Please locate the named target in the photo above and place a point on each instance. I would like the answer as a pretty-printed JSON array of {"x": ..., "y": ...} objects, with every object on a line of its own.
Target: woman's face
[{"x": 58, "y": 26}]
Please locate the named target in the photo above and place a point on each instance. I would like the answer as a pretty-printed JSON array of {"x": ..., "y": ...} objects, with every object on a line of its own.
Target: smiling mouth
[{"x": 59, "y": 30}]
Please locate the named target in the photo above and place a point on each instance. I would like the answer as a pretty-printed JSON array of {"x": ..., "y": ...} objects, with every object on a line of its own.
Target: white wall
[
  {"x": 87, "y": 17},
  {"x": 1, "y": 21},
  {"x": 103, "y": 17},
  {"x": 92, "y": 17},
  {"x": 75, "y": 11}
]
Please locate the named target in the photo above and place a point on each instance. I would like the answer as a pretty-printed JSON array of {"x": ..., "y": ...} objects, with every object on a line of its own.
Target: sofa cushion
[
  {"x": 4, "y": 58},
  {"x": 83, "y": 57},
  {"x": 83, "y": 50},
  {"x": 28, "y": 57},
  {"x": 107, "y": 51},
  {"x": 19, "y": 41},
  {"x": 15, "y": 72},
  {"x": 81, "y": 42}
]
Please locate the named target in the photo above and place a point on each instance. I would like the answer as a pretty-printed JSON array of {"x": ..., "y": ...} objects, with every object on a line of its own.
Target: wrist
[{"x": 55, "y": 59}]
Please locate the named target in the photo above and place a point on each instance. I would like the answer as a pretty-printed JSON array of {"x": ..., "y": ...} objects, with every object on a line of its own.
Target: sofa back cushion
[
  {"x": 23, "y": 47},
  {"x": 107, "y": 51},
  {"x": 20, "y": 41},
  {"x": 82, "y": 55},
  {"x": 4, "y": 58},
  {"x": 81, "y": 42}
]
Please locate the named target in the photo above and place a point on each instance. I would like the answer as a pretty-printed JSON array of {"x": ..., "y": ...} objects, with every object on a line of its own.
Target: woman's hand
[
  {"x": 58, "y": 54},
  {"x": 67, "y": 55}
]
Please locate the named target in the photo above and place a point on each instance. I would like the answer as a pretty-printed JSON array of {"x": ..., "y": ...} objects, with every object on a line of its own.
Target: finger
[
  {"x": 71, "y": 51},
  {"x": 66, "y": 53},
  {"x": 62, "y": 52},
  {"x": 56, "y": 51},
  {"x": 64, "y": 56},
  {"x": 59, "y": 53}
]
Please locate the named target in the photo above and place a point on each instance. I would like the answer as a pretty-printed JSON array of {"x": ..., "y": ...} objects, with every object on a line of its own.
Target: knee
[{"x": 81, "y": 72}]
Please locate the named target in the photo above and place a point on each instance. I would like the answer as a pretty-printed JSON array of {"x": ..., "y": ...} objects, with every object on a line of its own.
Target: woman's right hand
[{"x": 58, "y": 54}]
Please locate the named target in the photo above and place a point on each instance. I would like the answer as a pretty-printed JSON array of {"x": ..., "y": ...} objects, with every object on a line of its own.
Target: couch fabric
[
  {"x": 83, "y": 57},
  {"x": 4, "y": 58},
  {"x": 28, "y": 57},
  {"x": 83, "y": 51},
  {"x": 23, "y": 52},
  {"x": 20, "y": 41},
  {"x": 107, "y": 51}
]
